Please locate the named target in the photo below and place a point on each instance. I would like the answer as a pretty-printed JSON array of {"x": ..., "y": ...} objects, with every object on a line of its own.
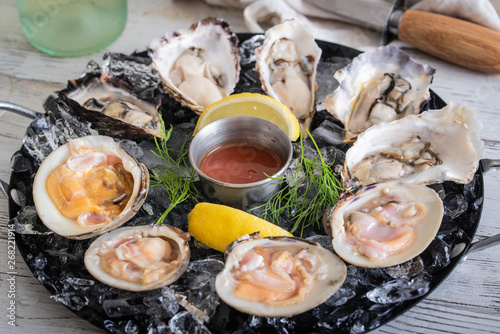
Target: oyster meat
[
  {"x": 378, "y": 86},
  {"x": 123, "y": 104},
  {"x": 89, "y": 186},
  {"x": 98, "y": 95},
  {"x": 278, "y": 276},
  {"x": 432, "y": 147},
  {"x": 139, "y": 258},
  {"x": 200, "y": 65},
  {"x": 384, "y": 224},
  {"x": 287, "y": 63}
]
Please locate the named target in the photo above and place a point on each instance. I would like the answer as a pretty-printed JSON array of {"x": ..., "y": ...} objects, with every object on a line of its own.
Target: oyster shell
[
  {"x": 378, "y": 86},
  {"x": 278, "y": 276},
  {"x": 200, "y": 65},
  {"x": 118, "y": 105},
  {"x": 432, "y": 147},
  {"x": 384, "y": 224},
  {"x": 287, "y": 64},
  {"x": 139, "y": 258},
  {"x": 99, "y": 95},
  {"x": 89, "y": 186}
]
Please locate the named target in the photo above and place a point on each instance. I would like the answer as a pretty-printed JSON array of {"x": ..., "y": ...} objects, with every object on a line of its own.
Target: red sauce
[{"x": 241, "y": 162}]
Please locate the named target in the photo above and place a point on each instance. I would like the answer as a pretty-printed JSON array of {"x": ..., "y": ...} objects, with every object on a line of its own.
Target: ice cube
[
  {"x": 400, "y": 290},
  {"x": 195, "y": 290},
  {"x": 71, "y": 300},
  {"x": 186, "y": 322}
]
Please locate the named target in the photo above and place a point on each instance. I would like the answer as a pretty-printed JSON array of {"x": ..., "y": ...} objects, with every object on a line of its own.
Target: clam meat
[
  {"x": 89, "y": 186},
  {"x": 432, "y": 147},
  {"x": 200, "y": 65},
  {"x": 378, "y": 86},
  {"x": 287, "y": 64},
  {"x": 139, "y": 258},
  {"x": 384, "y": 224},
  {"x": 278, "y": 276}
]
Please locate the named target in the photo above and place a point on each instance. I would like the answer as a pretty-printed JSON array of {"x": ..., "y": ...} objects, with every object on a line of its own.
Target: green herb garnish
[
  {"x": 175, "y": 175},
  {"x": 309, "y": 192}
]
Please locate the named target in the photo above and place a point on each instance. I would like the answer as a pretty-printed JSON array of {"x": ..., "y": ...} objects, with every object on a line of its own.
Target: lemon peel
[
  {"x": 218, "y": 225},
  {"x": 251, "y": 104}
]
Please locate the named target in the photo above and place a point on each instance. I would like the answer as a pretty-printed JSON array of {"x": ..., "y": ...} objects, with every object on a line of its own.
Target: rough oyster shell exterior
[
  {"x": 287, "y": 64},
  {"x": 215, "y": 40},
  {"x": 450, "y": 133},
  {"x": 120, "y": 99},
  {"x": 397, "y": 81}
]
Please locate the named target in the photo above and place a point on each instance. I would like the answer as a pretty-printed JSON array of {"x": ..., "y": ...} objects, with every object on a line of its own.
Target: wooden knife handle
[{"x": 457, "y": 41}]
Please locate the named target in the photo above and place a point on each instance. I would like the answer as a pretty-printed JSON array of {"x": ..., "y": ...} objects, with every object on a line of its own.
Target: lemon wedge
[
  {"x": 250, "y": 104},
  {"x": 218, "y": 225}
]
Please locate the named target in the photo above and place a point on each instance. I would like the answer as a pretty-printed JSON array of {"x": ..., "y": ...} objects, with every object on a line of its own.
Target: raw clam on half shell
[
  {"x": 384, "y": 224},
  {"x": 287, "y": 63},
  {"x": 278, "y": 276},
  {"x": 381, "y": 85},
  {"x": 139, "y": 258},
  {"x": 200, "y": 65},
  {"x": 89, "y": 186}
]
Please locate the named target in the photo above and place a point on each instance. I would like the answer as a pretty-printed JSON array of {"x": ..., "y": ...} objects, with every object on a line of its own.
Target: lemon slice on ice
[
  {"x": 218, "y": 225},
  {"x": 250, "y": 104}
]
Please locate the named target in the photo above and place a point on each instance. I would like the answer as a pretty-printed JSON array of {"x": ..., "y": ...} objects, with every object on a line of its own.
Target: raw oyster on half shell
[
  {"x": 89, "y": 186},
  {"x": 200, "y": 65},
  {"x": 384, "y": 224},
  {"x": 98, "y": 95},
  {"x": 378, "y": 86},
  {"x": 139, "y": 258},
  {"x": 432, "y": 147},
  {"x": 287, "y": 63},
  {"x": 119, "y": 99},
  {"x": 278, "y": 276}
]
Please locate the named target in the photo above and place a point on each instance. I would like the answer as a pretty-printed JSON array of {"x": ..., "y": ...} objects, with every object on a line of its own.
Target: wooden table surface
[{"x": 467, "y": 302}]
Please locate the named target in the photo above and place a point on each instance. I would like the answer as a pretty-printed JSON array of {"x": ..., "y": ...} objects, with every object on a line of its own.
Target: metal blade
[{"x": 367, "y": 13}]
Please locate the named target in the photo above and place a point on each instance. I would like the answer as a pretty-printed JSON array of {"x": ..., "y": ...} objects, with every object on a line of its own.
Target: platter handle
[
  {"x": 20, "y": 110},
  {"x": 494, "y": 240},
  {"x": 17, "y": 109},
  {"x": 4, "y": 187},
  {"x": 486, "y": 165}
]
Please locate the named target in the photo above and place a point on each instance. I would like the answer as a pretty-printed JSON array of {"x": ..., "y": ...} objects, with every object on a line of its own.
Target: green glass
[{"x": 72, "y": 27}]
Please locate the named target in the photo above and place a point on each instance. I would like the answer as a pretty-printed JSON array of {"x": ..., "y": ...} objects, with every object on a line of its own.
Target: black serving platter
[{"x": 368, "y": 298}]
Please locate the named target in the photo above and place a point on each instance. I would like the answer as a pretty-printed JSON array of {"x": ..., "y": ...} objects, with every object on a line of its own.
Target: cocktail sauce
[{"x": 240, "y": 162}]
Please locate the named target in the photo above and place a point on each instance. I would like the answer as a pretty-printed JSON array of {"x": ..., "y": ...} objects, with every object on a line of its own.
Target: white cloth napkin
[{"x": 260, "y": 14}]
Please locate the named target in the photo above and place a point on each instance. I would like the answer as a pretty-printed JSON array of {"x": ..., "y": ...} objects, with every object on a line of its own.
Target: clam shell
[
  {"x": 225, "y": 284},
  {"x": 55, "y": 221},
  {"x": 176, "y": 237},
  {"x": 425, "y": 231}
]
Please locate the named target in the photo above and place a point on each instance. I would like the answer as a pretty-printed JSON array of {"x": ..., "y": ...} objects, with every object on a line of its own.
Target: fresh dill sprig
[
  {"x": 311, "y": 189},
  {"x": 175, "y": 175}
]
